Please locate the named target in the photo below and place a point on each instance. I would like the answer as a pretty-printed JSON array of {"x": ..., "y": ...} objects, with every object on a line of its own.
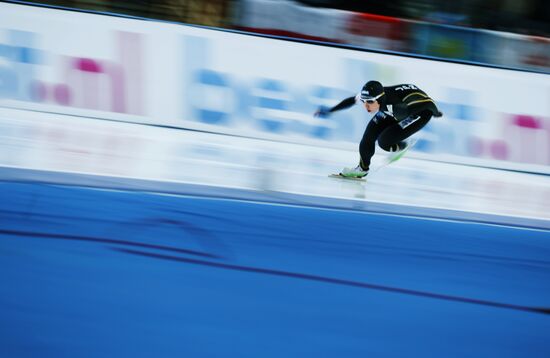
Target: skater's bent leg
[
  {"x": 392, "y": 139},
  {"x": 367, "y": 146}
]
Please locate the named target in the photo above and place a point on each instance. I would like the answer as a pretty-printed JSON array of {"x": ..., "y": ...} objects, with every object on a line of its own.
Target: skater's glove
[{"x": 322, "y": 112}]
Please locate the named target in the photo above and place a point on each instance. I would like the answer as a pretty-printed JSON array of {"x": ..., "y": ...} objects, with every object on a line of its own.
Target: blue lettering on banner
[
  {"x": 271, "y": 124},
  {"x": 211, "y": 78},
  {"x": 265, "y": 104},
  {"x": 17, "y": 75}
]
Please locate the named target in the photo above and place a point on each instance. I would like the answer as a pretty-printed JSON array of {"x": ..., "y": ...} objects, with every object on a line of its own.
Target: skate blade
[{"x": 340, "y": 176}]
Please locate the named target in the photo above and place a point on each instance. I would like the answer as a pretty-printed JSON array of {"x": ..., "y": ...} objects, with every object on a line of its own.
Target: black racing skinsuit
[{"x": 404, "y": 110}]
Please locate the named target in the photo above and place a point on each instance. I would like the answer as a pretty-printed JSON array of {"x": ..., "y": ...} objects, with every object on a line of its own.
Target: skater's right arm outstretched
[{"x": 324, "y": 112}]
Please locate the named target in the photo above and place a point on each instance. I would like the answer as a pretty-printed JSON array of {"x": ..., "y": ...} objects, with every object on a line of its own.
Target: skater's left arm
[{"x": 344, "y": 104}]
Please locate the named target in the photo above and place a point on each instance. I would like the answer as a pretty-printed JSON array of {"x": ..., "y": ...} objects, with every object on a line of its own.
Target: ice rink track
[{"x": 92, "y": 272}]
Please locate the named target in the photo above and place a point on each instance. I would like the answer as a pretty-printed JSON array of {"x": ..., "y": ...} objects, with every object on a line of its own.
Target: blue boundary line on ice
[
  {"x": 101, "y": 182},
  {"x": 284, "y": 38},
  {"x": 337, "y": 281},
  {"x": 129, "y": 247}
]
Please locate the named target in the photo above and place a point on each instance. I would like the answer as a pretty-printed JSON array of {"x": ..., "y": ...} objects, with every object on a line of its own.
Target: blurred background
[{"x": 505, "y": 33}]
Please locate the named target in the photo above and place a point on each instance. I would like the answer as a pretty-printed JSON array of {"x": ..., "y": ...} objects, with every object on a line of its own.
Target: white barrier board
[{"x": 175, "y": 75}]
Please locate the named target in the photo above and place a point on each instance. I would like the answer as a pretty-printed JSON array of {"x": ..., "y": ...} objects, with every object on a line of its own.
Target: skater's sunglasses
[{"x": 371, "y": 100}]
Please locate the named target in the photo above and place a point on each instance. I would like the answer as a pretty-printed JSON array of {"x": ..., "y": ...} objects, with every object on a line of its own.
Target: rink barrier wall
[{"x": 194, "y": 78}]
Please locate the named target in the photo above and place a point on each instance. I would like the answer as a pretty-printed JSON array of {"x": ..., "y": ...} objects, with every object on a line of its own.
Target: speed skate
[
  {"x": 392, "y": 158},
  {"x": 340, "y": 176}
]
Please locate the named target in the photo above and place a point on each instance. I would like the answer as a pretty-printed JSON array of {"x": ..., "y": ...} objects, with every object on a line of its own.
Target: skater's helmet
[{"x": 372, "y": 91}]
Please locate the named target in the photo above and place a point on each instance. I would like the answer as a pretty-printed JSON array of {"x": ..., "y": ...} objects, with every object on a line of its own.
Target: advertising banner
[{"x": 209, "y": 80}]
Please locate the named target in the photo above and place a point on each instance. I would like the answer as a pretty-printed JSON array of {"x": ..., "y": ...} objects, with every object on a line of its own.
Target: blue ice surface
[{"x": 108, "y": 273}]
